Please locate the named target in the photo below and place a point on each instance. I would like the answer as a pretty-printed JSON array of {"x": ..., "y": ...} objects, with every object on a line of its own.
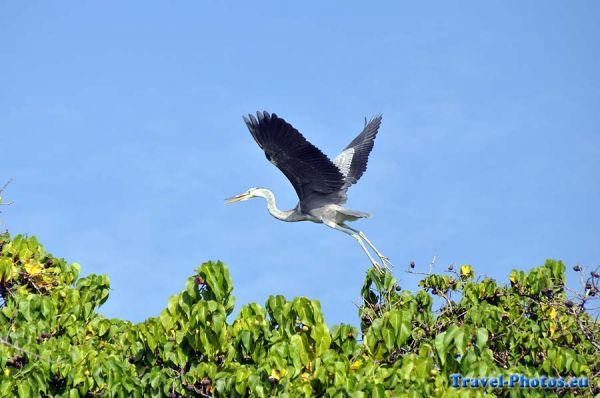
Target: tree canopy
[{"x": 55, "y": 343}]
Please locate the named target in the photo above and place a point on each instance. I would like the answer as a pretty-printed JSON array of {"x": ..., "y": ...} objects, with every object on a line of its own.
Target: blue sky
[{"x": 120, "y": 125}]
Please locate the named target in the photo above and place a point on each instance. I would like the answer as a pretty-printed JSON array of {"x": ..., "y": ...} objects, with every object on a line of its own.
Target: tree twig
[{"x": 33, "y": 354}]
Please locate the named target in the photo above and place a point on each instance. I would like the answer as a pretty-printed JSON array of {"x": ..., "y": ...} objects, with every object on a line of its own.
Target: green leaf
[
  {"x": 482, "y": 337},
  {"x": 166, "y": 320},
  {"x": 440, "y": 347},
  {"x": 394, "y": 320},
  {"x": 569, "y": 358},
  {"x": 46, "y": 306},
  {"x": 103, "y": 327},
  {"x": 450, "y": 333},
  {"x": 388, "y": 339},
  {"x": 459, "y": 340},
  {"x": 155, "y": 377},
  {"x": 559, "y": 364},
  {"x": 23, "y": 390},
  {"x": 25, "y": 308},
  {"x": 172, "y": 305},
  {"x": 405, "y": 328},
  {"x": 246, "y": 336},
  {"x": 378, "y": 391},
  {"x": 5, "y": 269}
]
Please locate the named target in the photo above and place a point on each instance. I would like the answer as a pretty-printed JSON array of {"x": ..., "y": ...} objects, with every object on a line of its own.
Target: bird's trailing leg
[
  {"x": 360, "y": 242},
  {"x": 384, "y": 259},
  {"x": 358, "y": 238}
]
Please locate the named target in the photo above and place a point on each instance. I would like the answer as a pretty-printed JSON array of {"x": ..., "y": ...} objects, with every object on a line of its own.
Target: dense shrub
[{"x": 55, "y": 343}]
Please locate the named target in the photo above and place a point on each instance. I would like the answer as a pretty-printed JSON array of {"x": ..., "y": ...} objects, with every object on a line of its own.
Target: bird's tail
[{"x": 352, "y": 215}]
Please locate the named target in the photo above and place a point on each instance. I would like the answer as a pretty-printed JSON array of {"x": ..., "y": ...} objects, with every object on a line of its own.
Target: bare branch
[
  {"x": 33, "y": 354},
  {"x": 2, "y": 190}
]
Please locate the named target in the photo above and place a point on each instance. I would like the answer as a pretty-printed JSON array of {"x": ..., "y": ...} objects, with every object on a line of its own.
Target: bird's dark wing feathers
[
  {"x": 307, "y": 168},
  {"x": 357, "y": 152}
]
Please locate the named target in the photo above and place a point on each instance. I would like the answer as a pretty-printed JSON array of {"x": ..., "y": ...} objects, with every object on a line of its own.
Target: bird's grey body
[{"x": 321, "y": 184}]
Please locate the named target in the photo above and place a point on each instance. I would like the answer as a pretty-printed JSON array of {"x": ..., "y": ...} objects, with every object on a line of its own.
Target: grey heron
[{"x": 321, "y": 184}]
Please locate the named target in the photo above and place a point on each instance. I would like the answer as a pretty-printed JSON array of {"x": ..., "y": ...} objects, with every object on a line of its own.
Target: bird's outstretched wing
[
  {"x": 352, "y": 162},
  {"x": 307, "y": 168}
]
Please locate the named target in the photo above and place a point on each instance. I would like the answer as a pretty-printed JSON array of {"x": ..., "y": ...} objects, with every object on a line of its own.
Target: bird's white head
[{"x": 249, "y": 194}]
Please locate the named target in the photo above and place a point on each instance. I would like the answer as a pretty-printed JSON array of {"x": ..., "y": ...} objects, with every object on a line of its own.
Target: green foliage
[{"x": 54, "y": 343}]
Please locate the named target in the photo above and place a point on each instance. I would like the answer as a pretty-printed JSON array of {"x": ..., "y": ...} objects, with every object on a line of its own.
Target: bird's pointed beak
[{"x": 237, "y": 198}]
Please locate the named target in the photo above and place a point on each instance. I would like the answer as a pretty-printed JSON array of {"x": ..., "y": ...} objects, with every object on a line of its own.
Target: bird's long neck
[{"x": 283, "y": 215}]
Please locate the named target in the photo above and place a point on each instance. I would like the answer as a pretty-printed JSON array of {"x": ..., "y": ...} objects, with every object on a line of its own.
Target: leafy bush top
[{"x": 55, "y": 343}]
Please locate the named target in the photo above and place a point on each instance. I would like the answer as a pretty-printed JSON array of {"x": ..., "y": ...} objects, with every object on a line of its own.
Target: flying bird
[{"x": 321, "y": 184}]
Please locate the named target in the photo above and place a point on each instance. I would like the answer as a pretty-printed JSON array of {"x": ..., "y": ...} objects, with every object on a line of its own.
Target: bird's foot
[
  {"x": 386, "y": 262},
  {"x": 379, "y": 268}
]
